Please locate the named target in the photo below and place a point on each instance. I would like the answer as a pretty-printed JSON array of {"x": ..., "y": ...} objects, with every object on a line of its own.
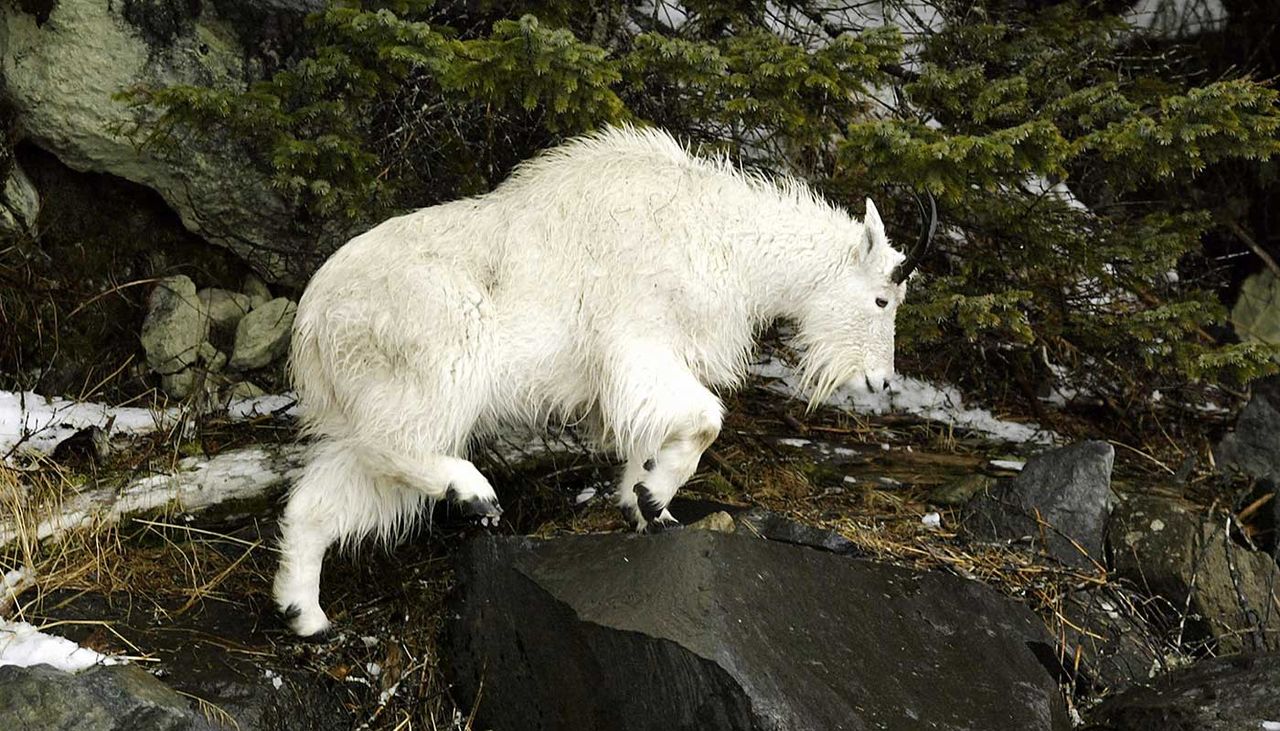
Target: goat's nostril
[
  {"x": 881, "y": 302},
  {"x": 885, "y": 385}
]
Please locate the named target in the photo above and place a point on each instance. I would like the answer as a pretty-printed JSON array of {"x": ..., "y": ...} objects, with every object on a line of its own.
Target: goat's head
[{"x": 848, "y": 326}]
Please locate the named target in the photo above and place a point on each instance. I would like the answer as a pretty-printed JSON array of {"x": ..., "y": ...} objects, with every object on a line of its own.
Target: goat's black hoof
[
  {"x": 291, "y": 615},
  {"x": 649, "y": 506}
]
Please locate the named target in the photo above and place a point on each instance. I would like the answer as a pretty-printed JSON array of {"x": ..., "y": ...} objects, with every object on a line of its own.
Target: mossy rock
[{"x": 1256, "y": 315}]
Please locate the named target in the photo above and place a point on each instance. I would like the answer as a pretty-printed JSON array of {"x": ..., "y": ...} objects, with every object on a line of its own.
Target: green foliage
[
  {"x": 754, "y": 82},
  {"x": 402, "y": 105},
  {"x": 1115, "y": 291},
  {"x": 321, "y": 127}
]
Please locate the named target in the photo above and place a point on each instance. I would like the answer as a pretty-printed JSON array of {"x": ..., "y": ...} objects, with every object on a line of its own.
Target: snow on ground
[
  {"x": 911, "y": 396},
  {"x": 23, "y": 645},
  {"x": 40, "y": 423},
  {"x": 12, "y": 584},
  {"x": 276, "y": 404},
  {"x": 34, "y": 423},
  {"x": 196, "y": 483}
]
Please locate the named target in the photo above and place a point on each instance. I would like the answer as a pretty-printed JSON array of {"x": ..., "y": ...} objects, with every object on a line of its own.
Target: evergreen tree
[{"x": 1072, "y": 160}]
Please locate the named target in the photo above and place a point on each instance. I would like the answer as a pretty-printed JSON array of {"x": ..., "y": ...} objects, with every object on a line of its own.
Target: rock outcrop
[
  {"x": 1169, "y": 549},
  {"x": 1060, "y": 502},
  {"x": 1231, "y": 693},
  {"x": 64, "y": 61},
  {"x": 1252, "y": 449},
  {"x": 102, "y": 698},
  {"x": 699, "y": 629}
]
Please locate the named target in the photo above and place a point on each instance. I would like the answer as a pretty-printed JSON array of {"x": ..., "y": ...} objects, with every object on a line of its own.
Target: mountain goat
[{"x": 616, "y": 280}]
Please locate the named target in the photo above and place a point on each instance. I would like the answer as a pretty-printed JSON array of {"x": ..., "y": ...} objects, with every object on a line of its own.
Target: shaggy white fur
[{"x": 616, "y": 281}]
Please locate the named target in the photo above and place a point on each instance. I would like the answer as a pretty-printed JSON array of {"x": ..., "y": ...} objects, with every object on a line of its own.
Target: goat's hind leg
[
  {"x": 417, "y": 450},
  {"x": 468, "y": 490},
  {"x": 335, "y": 500}
]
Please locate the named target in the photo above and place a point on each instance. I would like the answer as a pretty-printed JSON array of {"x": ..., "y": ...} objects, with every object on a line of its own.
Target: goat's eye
[{"x": 881, "y": 302}]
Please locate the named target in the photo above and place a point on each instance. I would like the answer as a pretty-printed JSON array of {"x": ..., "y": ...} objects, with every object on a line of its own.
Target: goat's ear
[{"x": 872, "y": 227}]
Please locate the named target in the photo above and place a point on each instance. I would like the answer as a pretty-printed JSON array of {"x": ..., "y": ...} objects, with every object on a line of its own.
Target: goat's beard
[{"x": 823, "y": 369}]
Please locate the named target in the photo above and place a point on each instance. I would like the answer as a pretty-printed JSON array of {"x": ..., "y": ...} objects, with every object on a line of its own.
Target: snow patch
[
  {"x": 1039, "y": 185},
  {"x": 911, "y": 396},
  {"x": 33, "y": 422},
  {"x": 30, "y": 422},
  {"x": 390, "y": 693},
  {"x": 23, "y": 645},
  {"x": 12, "y": 585},
  {"x": 273, "y": 404},
  {"x": 1008, "y": 464},
  {"x": 197, "y": 483}
]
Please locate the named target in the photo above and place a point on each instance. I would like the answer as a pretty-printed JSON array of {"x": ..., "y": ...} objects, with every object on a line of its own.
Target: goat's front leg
[
  {"x": 653, "y": 482},
  {"x": 670, "y": 421}
]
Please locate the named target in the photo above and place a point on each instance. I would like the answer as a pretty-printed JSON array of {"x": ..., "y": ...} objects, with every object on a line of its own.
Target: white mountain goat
[{"x": 616, "y": 281}]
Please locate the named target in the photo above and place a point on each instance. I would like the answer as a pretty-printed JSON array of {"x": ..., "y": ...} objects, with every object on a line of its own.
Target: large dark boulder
[
  {"x": 102, "y": 698},
  {"x": 1060, "y": 503},
  {"x": 704, "y": 630},
  {"x": 1231, "y": 693}
]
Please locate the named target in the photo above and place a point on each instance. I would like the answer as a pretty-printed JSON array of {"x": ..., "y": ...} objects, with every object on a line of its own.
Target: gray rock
[
  {"x": 175, "y": 326},
  {"x": 718, "y": 521},
  {"x": 214, "y": 360},
  {"x": 92, "y": 443},
  {"x": 1068, "y": 489},
  {"x": 181, "y": 384},
  {"x": 1253, "y": 447},
  {"x": 1108, "y": 629},
  {"x": 256, "y": 290},
  {"x": 263, "y": 335},
  {"x": 1256, "y": 314},
  {"x": 696, "y": 629},
  {"x": 1231, "y": 693},
  {"x": 775, "y": 527},
  {"x": 244, "y": 390},
  {"x": 1168, "y": 549},
  {"x": 60, "y": 77},
  {"x": 102, "y": 698},
  {"x": 224, "y": 307},
  {"x": 19, "y": 205}
]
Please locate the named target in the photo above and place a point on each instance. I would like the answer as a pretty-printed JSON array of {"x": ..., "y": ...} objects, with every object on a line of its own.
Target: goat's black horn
[{"x": 928, "y": 225}]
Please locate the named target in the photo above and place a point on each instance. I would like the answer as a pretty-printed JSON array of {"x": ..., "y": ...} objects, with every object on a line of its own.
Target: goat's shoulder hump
[{"x": 622, "y": 143}]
